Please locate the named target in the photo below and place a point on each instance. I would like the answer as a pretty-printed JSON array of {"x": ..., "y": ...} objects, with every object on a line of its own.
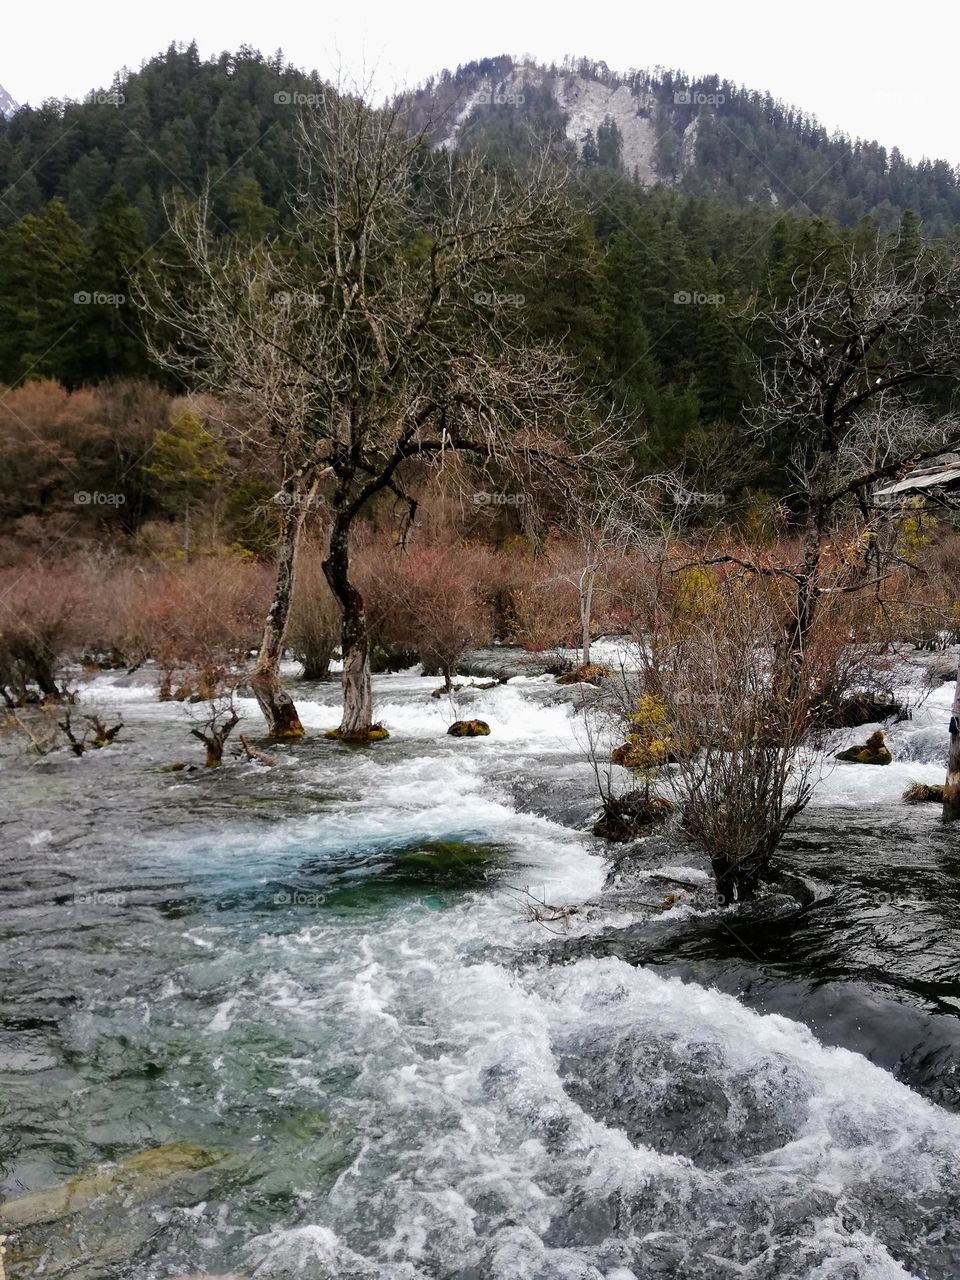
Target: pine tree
[
  {"x": 186, "y": 462},
  {"x": 117, "y": 244},
  {"x": 44, "y": 293}
]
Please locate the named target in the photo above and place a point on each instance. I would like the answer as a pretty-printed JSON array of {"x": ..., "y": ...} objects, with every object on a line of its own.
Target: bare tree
[
  {"x": 221, "y": 718},
  {"x": 848, "y": 356},
  {"x": 384, "y": 336},
  {"x": 743, "y": 763}
]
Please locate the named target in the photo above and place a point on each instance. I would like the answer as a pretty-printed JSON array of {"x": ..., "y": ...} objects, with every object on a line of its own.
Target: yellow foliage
[{"x": 696, "y": 594}]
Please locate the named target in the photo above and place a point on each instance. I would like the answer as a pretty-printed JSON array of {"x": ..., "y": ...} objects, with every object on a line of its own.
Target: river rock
[
  {"x": 135, "y": 1176},
  {"x": 469, "y": 729},
  {"x": 589, "y": 673},
  {"x": 872, "y": 751}
]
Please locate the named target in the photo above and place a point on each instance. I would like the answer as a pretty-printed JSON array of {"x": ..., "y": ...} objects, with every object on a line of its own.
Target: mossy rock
[
  {"x": 872, "y": 751},
  {"x": 376, "y": 733},
  {"x": 469, "y": 729},
  {"x": 631, "y": 817},
  {"x": 920, "y": 793},
  {"x": 589, "y": 673}
]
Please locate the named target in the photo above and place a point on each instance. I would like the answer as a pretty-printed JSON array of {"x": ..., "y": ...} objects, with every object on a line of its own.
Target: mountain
[
  {"x": 8, "y": 105},
  {"x": 705, "y": 137},
  {"x": 179, "y": 120},
  {"x": 682, "y": 222}
]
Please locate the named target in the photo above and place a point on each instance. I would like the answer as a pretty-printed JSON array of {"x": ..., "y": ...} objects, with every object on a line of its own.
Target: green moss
[{"x": 376, "y": 733}]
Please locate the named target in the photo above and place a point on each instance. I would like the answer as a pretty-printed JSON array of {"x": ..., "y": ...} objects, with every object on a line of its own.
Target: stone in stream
[
  {"x": 469, "y": 729},
  {"x": 588, "y": 673},
  {"x": 872, "y": 751}
]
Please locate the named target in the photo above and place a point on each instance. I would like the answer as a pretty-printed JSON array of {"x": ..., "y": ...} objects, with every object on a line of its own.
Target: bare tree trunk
[
  {"x": 275, "y": 703},
  {"x": 805, "y": 604},
  {"x": 586, "y": 608},
  {"x": 951, "y": 790},
  {"x": 357, "y": 718}
]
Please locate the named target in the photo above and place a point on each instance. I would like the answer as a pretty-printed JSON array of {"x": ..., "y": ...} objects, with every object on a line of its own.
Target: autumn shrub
[
  {"x": 41, "y": 627},
  {"x": 433, "y": 600},
  {"x": 200, "y": 621}
]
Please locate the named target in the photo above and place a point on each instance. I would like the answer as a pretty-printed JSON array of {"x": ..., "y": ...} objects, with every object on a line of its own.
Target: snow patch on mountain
[{"x": 8, "y": 104}]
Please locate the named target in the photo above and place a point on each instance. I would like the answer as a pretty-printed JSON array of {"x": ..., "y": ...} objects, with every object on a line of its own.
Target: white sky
[{"x": 879, "y": 70}]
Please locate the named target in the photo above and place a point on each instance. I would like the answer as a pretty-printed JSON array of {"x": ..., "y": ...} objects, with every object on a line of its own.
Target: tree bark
[
  {"x": 354, "y": 640},
  {"x": 275, "y": 703},
  {"x": 586, "y": 608},
  {"x": 951, "y": 789},
  {"x": 805, "y": 606}
]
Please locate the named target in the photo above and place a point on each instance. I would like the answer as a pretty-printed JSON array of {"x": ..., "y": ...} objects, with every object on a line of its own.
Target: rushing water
[{"x": 327, "y": 974}]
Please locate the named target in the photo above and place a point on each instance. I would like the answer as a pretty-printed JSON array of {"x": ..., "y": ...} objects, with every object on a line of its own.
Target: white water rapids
[{"x": 498, "y": 1117}]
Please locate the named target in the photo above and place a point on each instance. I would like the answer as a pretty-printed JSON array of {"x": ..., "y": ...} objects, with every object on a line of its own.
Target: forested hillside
[
  {"x": 704, "y": 136},
  {"x": 650, "y": 302}
]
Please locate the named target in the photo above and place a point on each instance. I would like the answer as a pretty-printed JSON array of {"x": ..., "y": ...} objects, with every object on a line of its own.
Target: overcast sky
[{"x": 879, "y": 70}]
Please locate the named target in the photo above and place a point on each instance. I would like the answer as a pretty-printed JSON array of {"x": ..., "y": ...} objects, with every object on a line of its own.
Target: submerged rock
[
  {"x": 454, "y": 688},
  {"x": 589, "y": 673},
  {"x": 98, "y": 1219},
  {"x": 872, "y": 751},
  {"x": 135, "y": 1176},
  {"x": 469, "y": 729}
]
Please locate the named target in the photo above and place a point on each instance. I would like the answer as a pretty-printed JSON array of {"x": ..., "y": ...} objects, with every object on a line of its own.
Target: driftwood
[{"x": 252, "y": 753}]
